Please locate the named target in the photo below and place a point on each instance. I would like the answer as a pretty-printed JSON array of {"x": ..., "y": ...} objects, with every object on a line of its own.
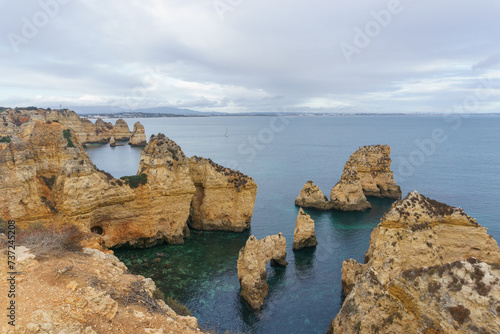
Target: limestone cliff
[
  {"x": 312, "y": 197},
  {"x": 112, "y": 141},
  {"x": 138, "y": 137},
  {"x": 121, "y": 131},
  {"x": 373, "y": 165},
  {"x": 90, "y": 293},
  {"x": 304, "y": 234},
  {"x": 224, "y": 198},
  {"x": 252, "y": 261},
  {"x": 430, "y": 268},
  {"x": 347, "y": 194}
]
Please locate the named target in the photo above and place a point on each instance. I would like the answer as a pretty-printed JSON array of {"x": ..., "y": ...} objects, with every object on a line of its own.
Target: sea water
[{"x": 452, "y": 159}]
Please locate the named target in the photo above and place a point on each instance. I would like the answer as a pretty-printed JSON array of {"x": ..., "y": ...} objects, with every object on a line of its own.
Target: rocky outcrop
[
  {"x": 304, "y": 234},
  {"x": 312, "y": 197},
  {"x": 112, "y": 141},
  {"x": 15, "y": 121},
  {"x": 89, "y": 292},
  {"x": 430, "y": 268},
  {"x": 138, "y": 137},
  {"x": 121, "y": 131},
  {"x": 373, "y": 164},
  {"x": 347, "y": 194},
  {"x": 224, "y": 198},
  {"x": 252, "y": 261}
]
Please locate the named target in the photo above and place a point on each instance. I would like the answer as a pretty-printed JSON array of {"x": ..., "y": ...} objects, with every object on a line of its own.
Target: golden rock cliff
[
  {"x": 138, "y": 137},
  {"x": 252, "y": 261},
  {"x": 120, "y": 131},
  {"x": 347, "y": 194},
  {"x": 304, "y": 234},
  {"x": 224, "y": 198},
  {"x": 430, "y": 268}
]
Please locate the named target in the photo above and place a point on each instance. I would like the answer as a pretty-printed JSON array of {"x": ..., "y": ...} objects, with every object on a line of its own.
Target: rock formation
[
  {"x": 347, "y": 194},
  {"x": 120, "y": 131},
  {"x": 112, "y": 141},
  {"x": 304, "y": 234},
  {"x": 224, "y": 198},
  {"x": 373, "y": 164},
  {"x": 14, "y": 122},
  {"x": 252, "y": 261},
  {"x": 430, "y": 268},
  {"x": 312, "y": 197},
  {"x": 138, "y": 137},
  {"x": 87, "y": 292}
]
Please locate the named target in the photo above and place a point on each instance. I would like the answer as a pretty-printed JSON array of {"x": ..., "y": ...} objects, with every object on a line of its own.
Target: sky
[{"x": 252, "y": 55}]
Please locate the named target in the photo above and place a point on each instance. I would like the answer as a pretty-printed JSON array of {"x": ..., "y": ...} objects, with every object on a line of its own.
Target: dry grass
[{"x": 51, "y": 240}]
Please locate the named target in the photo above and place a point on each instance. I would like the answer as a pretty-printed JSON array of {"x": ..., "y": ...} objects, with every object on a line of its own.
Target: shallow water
[{"x": 306, "y": 295}]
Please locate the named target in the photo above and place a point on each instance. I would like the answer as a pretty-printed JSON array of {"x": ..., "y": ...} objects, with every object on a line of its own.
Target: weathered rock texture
[
  {"x": 252, "y": 261},
  {"x": 373, "y": 164},
  {"x": 138, "y": 137},
  {"x": 347, "y": 194},
  {"x": 224, "y": 198},
  {"x": 47, "y": 176},
  {"x": 430, "y": 268},
  {"x": 14, "y": 121},
  {"x": 88, "y": 293},
  {"x": 112, "y": 141},
  {"x": 312, "y": 197},
  {"x": 304, "y": 234}
]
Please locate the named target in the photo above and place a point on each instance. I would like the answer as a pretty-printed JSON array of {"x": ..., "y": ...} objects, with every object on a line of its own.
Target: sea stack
[
  {"x": 430, "y": 268},
  {"x": 121, "y": 132},
  {"x": 224, "y": 198},
  {"x": 112, "y": 141},
  {"x": 252, "y": 261},
  {"x": 138, "y": 137},
  {"x": 304, "y": 234},
  {"x": 347, "y": 194},
  {"x": 311, "y": 196}
]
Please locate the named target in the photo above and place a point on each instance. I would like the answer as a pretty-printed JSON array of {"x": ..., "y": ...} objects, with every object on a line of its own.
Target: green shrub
[
  {"x": 459, "y": 313},
  {"x": 3, "y": 225},
  {"x": 67, "y": 135},
  {"x": 5, "y": 139},
  {"x": 178, "y": 307},
  {"x": 135, "y": 181}
]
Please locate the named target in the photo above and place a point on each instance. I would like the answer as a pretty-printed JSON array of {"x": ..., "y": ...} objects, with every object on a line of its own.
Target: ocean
[{"x": 453, "y": 159}]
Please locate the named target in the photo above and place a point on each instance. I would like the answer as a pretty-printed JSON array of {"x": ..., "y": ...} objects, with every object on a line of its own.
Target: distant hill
[{"x": 157, "y": 110}]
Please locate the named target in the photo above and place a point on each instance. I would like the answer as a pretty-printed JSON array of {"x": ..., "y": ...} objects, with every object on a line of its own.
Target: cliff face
[
  {"x": 304, "y": 234},
  {"x": 224, "y": 198},
  {"x": 89, "y": 292},
  {"x": 312, "y": 197},
  {"x": 138, "y": 137},
  {"x": 252, "y": 261},
  {"x": 14, "y": 121},
  {"x": 373, "y": 164},
  {"x": 347, "y": 194},
  {"x": 429, "y": 268}
]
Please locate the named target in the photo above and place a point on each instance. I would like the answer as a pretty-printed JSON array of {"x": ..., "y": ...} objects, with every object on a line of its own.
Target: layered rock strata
[
  {"x": 430, "y": 268},
  {"x": 46, "y": 176},
  {"x": 90, "y": 293},
  {"x": 224, "y": 198},
  {"x": 252, "y": 261},
  {"x": 138, "y": 137},
  {"x": 120, "y": 131},
  {"x": 311, "y": 196},
  {"x": 304, "y": 234},
  {"x": 347, "y": 194}
]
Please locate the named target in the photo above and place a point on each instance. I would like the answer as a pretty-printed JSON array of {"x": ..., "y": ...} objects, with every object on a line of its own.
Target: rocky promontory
[
  {"x": 304, "y": 234},
  {"x": 138, "y": 137},
  {"x": 252, "y": 261},
  {"x": 224, "y": 198},
  {"x": 430, "y": 268}
]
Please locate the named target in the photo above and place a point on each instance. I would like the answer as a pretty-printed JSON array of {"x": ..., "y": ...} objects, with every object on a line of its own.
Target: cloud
[{"x": 263, "y": 55}]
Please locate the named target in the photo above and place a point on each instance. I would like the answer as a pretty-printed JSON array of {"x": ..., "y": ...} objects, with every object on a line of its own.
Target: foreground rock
[
  {"x": 89, "y": 293},
  {"x": 347, "y": 194},
  {"x": 252, "y": 261},
  {"x": 138, "y": 137},
  {"x": 312, "y": 197},
  {"x": 304, "y": 234},
  {"x": 224, "y": 198},
  {"x": 430, "y": 268},
  {"x": 373, "y": 164}
]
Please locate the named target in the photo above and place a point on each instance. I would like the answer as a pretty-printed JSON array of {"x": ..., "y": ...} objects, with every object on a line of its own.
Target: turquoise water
[{"x": 460, "y": 170}]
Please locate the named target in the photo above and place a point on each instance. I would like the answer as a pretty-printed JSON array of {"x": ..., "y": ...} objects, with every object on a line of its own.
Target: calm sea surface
[{"x": 453, "y": 160}]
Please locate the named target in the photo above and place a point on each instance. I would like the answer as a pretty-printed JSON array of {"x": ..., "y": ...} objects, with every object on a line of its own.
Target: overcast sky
[{"x": 252, "y": 55}]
